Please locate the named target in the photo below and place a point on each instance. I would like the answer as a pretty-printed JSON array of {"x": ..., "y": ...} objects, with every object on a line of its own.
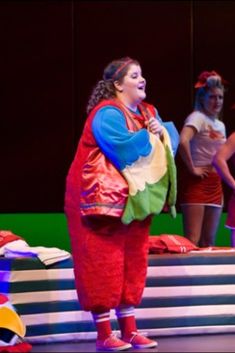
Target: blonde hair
[{"x": 211, "y": 82}]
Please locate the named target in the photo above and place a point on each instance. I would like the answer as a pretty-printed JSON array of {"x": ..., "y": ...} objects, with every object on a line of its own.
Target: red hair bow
[{"x": 202, "y": 78}]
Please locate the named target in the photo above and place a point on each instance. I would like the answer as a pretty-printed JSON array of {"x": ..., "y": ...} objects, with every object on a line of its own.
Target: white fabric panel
[
  {"x": 62, "y": 337},
  {"x": 213, "y": 250},
  {"x": 185, "y": 311},
  {"x": 40, "y": 275},
  {"x": 44, "y": 296},
  {"x": 143, "y": 313},
  {"x": 56, "y": 317},
  {"x": 175, "y": 331},
  {"x": 190, "y": 270},
  {"x": 179, "y": 291}
]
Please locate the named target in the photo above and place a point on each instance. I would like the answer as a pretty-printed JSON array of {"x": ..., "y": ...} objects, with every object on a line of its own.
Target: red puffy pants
[{"x": 110, "y": 260}]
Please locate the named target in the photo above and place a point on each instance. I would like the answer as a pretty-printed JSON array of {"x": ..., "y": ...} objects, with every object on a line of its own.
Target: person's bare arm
[
  {"x": 186, "y": 135},
  {"x": 221, "y": 158}
]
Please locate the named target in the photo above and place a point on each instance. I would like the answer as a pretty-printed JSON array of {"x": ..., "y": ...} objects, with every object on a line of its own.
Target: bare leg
[
  {"x": 192, "y": 222},
  {"x": 232, "y": 238},
  {"x": 210, "y": 225}
]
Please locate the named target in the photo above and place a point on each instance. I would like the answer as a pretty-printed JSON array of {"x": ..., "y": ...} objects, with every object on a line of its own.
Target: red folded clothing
[
  {"x": 172, "y": 243},
  {"x": 6, "y": 236},
  {"x": 20, "y": 347}
]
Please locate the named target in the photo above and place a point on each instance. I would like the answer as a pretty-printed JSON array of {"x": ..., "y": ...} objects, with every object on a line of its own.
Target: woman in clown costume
[{"x": 122, "y": 174}]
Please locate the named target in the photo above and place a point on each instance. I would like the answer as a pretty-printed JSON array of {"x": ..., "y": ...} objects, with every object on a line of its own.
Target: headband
[{"x": 121, "y": 68}]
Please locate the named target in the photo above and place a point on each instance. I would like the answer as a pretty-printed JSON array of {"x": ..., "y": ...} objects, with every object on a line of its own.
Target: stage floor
[{"x": 194, "y": 343}]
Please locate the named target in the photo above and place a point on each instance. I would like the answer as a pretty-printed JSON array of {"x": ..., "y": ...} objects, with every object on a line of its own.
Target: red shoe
[
  {"x": 139, "y": 341},
  {"x": 112, "y": 344}
]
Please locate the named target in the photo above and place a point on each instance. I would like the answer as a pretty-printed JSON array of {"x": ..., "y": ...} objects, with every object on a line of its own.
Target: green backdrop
[{"x": 50, "y": 229}]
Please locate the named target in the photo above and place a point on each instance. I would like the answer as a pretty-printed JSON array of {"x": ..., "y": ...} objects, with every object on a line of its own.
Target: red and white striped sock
[
  {"x": 103, "y": 325},
  {"x": 126, "y": 320}
]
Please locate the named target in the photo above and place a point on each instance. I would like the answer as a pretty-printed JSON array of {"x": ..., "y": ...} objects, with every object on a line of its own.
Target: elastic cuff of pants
[{"x": 123, "y": 312}]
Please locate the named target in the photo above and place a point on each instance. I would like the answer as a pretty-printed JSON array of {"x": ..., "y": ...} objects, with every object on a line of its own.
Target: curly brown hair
[{"x": 105, "y": 89}]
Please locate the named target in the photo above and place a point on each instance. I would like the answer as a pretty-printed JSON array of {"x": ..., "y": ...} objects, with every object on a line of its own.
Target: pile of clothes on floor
[{"x": 12, "y": 246}]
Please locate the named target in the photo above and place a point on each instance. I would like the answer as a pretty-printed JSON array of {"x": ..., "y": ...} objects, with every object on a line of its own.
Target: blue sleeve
[
  {"x": 172, "y": 131},
  {"x": 174, "y": 135},
  {"x": 120, "y": 145},
  {"x": 158, "y": 116}
]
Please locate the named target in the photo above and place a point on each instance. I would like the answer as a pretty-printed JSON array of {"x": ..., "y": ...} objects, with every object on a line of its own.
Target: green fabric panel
[
  {"x": 53, "y": 329},
  {"x": 28, "y": 263},
  {"x": 190, "y": 281},
  {"x": 167, "y": 302},
  {"x": 38, "y": 229},
  {"x": 48, "y": 307},
  {"x": 21, "y": 264},
  {"x": 190, "y": 321},
  {"x": 191, "y": 259},
  {"x": 50, "y": 229},
  {"x": 38, "y": 286},
  {"x": 151, "y": 200}
]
